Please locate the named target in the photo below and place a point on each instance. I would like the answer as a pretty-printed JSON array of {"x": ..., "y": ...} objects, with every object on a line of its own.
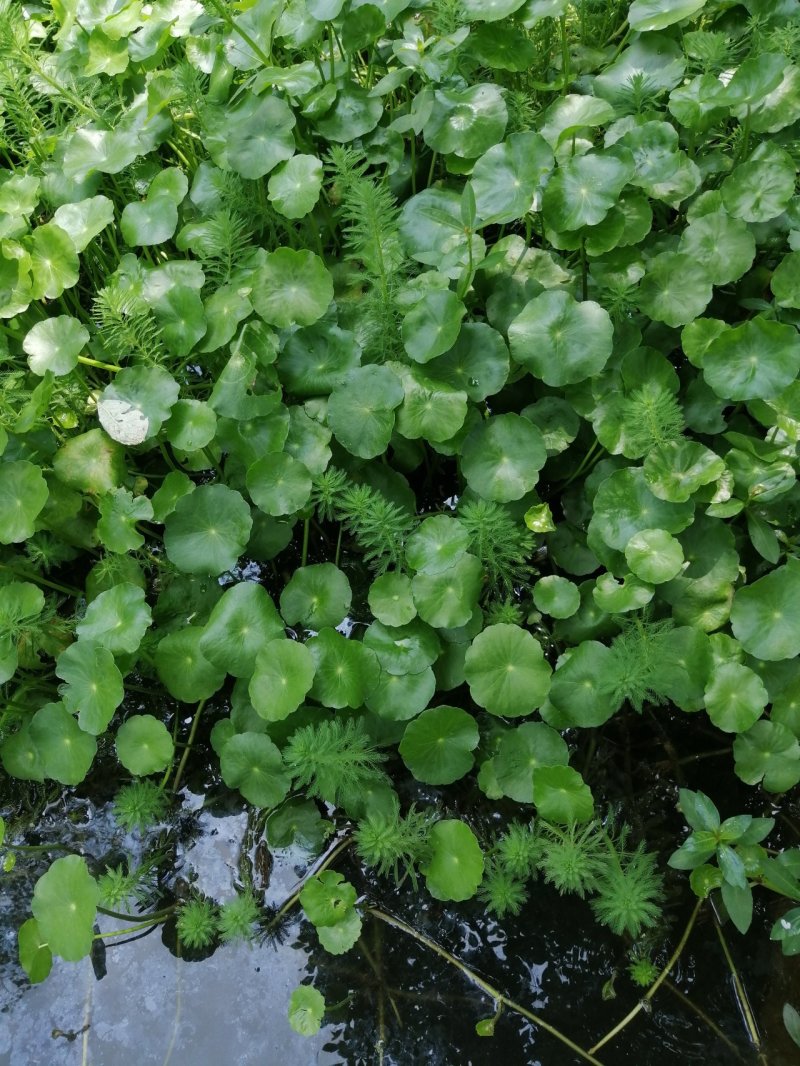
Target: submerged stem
[
  {"x": 497, "y": 996},
  {"x": 640, "y": 1006}
]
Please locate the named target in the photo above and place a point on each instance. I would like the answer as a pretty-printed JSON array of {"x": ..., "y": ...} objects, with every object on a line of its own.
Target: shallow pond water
[{"x": 392, "y": 1000}]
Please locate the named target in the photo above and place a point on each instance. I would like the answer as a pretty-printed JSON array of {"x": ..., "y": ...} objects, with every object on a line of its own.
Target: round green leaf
[
  {"x": 560, "y": 340},
  {"x": 252, "y": 763},
  {"x": 390, "y": 599},
  {"x": 21, "y": 757},
  {"x": 398, "y": 697},
  {"x": 735, "y": 698},
  {"x": 769, "y": 753},
  {"x": 624, "y": 505},
  {"x": 502, "y": 457},
  {"x": 645, "y": 15},
  {"x": 117, "y": 619},
  {"x": 208, "y": 530},
  {"x": 466, "y": 122},
  {"x": 430, "y": 410},
  {"x": 283, "y": 674},
  {"x": 361, "y": 411},
  {"x": 66, "y": 751},
  {"x": 583, "y": 190},
  {"x": 489, "y": 10},
  {"x": 306, "y": 1010},
  {"x": 54, "y": 261},
  {"x": 756, "y": 360},
  {"x": 318, "y": 596},
  {"x": 84, "y": 220},
  {"x": 436, "y": 545},
  {"x": 292, "y": 288},
  {"x": 90, "y": 462},
  {"x": 675, "y": 289},
  {"x": 148, "y": 222},
  {"x": 724, "y": 245},
  {"x": 521, "y": 752},
  {"x": 65, "y": 905},
  {"x": 432, "y": 324},
  {"x": 506, "y": 671},
  {"x": 317, "y": 359},
  {"x": 764, "y": 616},
  {"x": 241, "y": 623},
  {"x": 251, "y": 136},
  {"x": 617, "y": 597},
  {"x": 406, "y": 649},
  {"x": 355, "y": 113},
  {"x": 345, "y": 670},
  {"x": 477, "y": 363},
  {"x": 136, "y": 403},
  {"x": 447, "y": 600},
  {"x": 93, "y": 687},
  {"x": 506, "y": 179},
  {"x": 654, "y": 555},
  {"x": 674, "y": 471},
  {"x": 23, "y": 494},
  {"x": 183, "y": 669},
  {"x": 437, "y": 746},
  {"x": 191, "y": 426},
  {"x": 35, "y": 956},
  {"x": 575, "y": 692},
  {"x": 556, "y": 596},
  {"x": 278, "y": 484},
  {"x": 561, "y": 795},
  {"x": 144, "y": 745},
  {"x": 54, "y": 344},
  {"x": 785, "y": 282},
  {"x": 455, "y": 868},
  {"x": 294, "y": 187},
  {"x": 760, "y": 189}
]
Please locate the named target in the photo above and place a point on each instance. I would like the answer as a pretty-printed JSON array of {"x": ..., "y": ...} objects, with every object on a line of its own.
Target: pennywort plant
[{"x": 398, "y": 395}]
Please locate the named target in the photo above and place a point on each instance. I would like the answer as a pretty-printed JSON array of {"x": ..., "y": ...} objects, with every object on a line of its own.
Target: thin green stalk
[
  {"x": 565, "y": 62},
  {"x": 184, "y": 758},
  {"x": 304, "y": 556},
  {"x": 111, "y": 367},
  {"x": 163, "y": 913},
  {"x": 26, "y": 575},
  {"x": 741, "y": 994},
  {"x": 496, "y": 995},
  {"x": 643, "y": 1003},
  {"x": 128, "y": 931}
]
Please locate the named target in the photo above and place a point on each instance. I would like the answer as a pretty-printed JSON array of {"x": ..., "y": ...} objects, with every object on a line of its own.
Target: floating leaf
[
  {"x": 556, "y": 596},
  {"x": 252, "y": 763},
  {"x": 506, "y": 671},
  {"x": 466, "y": 122},
  {"x": 306, "y": 1010},
  {"x": 64, "y": 905},
  {"x": 447, "y": 599},
  {"x": 560, "y": 340},
  {"x": 361, "y": 411},
  {"x": 506, "y": 178},
  {"x": 502, "y": 457},
  {"x": 390, "y": 599},
  {"x": 283, "y": 674},
  {"x": 54, "y": 344},
  {"x": 144, "y": 745},
  {"x": 770, "y": 753},
  {"x": 292, "y": 288},
  {"x": 398, "y": 697},
  {"x": 183, "y": 669},
  {"x": 239, "y": 626},
  {"x": 756, "y": 360},
  {"x": 520, "y": 754},
  {"x": 65, "y": 749},
  {"x": 93, "y": 687},
  {"x": 654, "y": 555},
  {"x": 455, "y": 868},
  {"x": 584, "y": 189},
  {"x": 735, "y": 698},
  {"x": 764, "y": 617},
  {"x": 294, "y": 187},
  {"x": 35, "y": 956},
  {"x": 561, "y": 795},
  {"x": 90, "y": 462},
  {"x": 437, "y": 746},
  {"x": 317, "y": 596},
  {"x": 345, "y": 670},
  {"x": 23, "y": 494},
  {"x": 116, "y": 619},
  {"x": 207, "y": 530},
  {"x": 436, "y": 545}
]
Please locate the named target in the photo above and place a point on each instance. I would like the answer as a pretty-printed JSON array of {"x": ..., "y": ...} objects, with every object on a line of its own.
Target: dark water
[{"x": 394, "y": 1001}]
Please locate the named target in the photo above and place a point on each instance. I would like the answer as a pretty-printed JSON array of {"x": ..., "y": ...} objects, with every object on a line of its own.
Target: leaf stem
[
  {"x": 112, "y": 367},
  {"x": 497, "y": 996},
  {"x": 188, "y": 748},
  {"x": 640, "y": 1006},
  {"x": 741, "y": 994},
  {"x": 68, "y": 590}
]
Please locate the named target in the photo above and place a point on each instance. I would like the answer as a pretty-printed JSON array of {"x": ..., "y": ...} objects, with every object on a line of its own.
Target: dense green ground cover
[{"x": 470, "y": 325}]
